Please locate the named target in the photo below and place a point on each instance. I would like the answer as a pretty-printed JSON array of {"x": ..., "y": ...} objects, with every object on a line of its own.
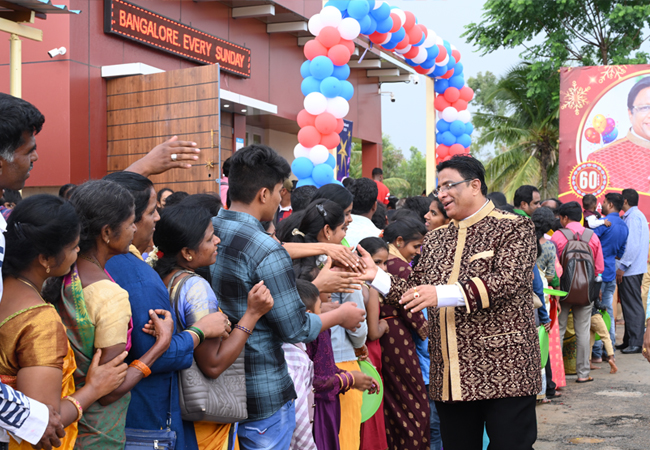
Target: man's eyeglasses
[
  {"x": 447, "y": 186},
  {"x": 642, "y": 109}
]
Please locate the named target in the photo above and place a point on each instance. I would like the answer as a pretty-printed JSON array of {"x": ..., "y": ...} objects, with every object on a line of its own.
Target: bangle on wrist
[
  {"x": 142, "y": 367},
  {"x": 244, "y": 329},
  {"x": 75, "y": 402},
  {"x": 194, "y": 333},
  {"x": 198, "y": 332}
]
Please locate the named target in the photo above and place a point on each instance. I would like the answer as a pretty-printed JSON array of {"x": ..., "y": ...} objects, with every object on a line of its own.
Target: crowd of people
[{"x": 112, "y": 291}]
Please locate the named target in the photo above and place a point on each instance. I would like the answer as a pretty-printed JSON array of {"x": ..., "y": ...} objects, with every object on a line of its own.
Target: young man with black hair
[
  {"x": 285, "y": 208},
  {"x": 629, "y": 273},
  {"x": 301, "y": 197},
  {"x": 613, "y": 239},
  {"x": 570, "y": 215},
  {"x": 474, "y": 276},
  {"x": 246, "y": 256},
  {"x": 527, "y": 200},
  {"x": 383, "y": 191},
  {"x": 364, "y": 206}
]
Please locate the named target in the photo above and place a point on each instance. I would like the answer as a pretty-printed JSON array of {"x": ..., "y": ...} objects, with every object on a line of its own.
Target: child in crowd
[{"x": 598, "y": 326}]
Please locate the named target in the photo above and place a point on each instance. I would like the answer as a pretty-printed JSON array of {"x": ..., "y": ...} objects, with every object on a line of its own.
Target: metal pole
[
  {"x": 15, "y": 72},
  {"x": 431, "y": 136}
]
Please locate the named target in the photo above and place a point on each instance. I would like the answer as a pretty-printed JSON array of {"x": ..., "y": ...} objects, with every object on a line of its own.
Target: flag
[{"x": 344, "y": 151}]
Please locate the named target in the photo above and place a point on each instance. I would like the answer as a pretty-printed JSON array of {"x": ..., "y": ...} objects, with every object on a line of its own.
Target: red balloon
[
  {"x": 592, "y": 135},
  {"x": 442, "y": 151},
  {"x": 348, "y": 44},
  {"x": 456, "y": 55},
  {"x": 325, "y": 123},
  {"x": 442, "y": 55},
  {"x": 460, "y": 105},
  {"x": 309, "y": 136},
  {"x": 378, "y": 38},
  {"x": 313, "y": 49},
  {"x": 456, "y": 149},
  {"x": 403, "y": 43},
  {"x": 305, "y": 119},
  {"x": 412, "y": 53},
  {"x": 449, "y": 74},
  {"x": 451, "y": 94},
  {"x": 397, "y": 22},
  {"x": 447, "y": 158},
  {"x": 331, "y": 140},
  {"x": 424, "y": 30},
  {"x": 339, "y": 125},
  {"x": 339, "y": 54},
  {"x": 329, "y": 37},
  {"x": 440, "y": 103},
  {"x": 466, "y": 93},
  {"x": 421, "y": 70},
  {"x": 415, "y": 35},
  {"x": 410, "y": 20}
]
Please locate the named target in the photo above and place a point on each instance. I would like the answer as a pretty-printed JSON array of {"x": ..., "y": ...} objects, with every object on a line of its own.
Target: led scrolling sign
[{"x": 144, "y": 26}]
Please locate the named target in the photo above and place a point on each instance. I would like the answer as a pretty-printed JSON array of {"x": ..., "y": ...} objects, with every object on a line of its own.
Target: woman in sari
[
  {"x": 186, "y": 238},
  {"x": 406, "y": 402},
  {"x": 97, "y": 312},
  {"x": 35, "y": 356}
]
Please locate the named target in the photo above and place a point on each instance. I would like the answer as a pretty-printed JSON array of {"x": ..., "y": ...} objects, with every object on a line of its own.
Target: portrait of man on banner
[{"x": 344, "y": 151}]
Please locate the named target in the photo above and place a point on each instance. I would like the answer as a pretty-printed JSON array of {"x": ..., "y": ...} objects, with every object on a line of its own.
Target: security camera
[
  {"x": 415, "y": 79},
  {"x": 56, "y": 52},
  {"x": 392, "y": 97}
]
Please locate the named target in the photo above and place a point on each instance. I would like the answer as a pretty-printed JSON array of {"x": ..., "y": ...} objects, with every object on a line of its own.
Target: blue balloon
[
  {"x": 309, "y": 85},
  {"x": 457, "y": 127},
  {"x": 464, "y": 140},
  {"x": 457, "y": 81},
  {"x": 305, "y": 182},
  {"x": 438, "y": 138},
  {"x": 433, "y": 52},
  {"x": 451, "y": 64},
  {"x": 341, "y": 5},
  {"x": 439, "y": 71},
  {"x": 347, "y": 90},
  {"x": 371, "y": 4},
  {"x": 441, "y": 85},
  {"x": 442, "y": 124},
  {"x": 458, "y": 68},
  {"x": 322, "y": 174},
  {"x": 337, "y": 182},
  {"x": 341, "y": 72},
  {"x": 302, "y": 167},
  {"x": 365, "y": 25},
  {"x": 321, "y": 67},
  {"x": 469, "y": 128},
  {"x": 330, "y": 87},
  {"x": 385, "y": 25},
  {"x": 609, "y": 137},
  {"x": 304, "y": 69},
  {"x": 447, "y": 45},
  {"x": 358, "y": 9},
  {"x": 399, "y": 34},
  {"x": 390, "y": 44},
  {"x": 428, "y": 64},
  {"x": 447, "y": 139},
  {"x": 331, "y": 161},
  {"x": 371, "y": 28},
  {"x": 382, "y": 13}
]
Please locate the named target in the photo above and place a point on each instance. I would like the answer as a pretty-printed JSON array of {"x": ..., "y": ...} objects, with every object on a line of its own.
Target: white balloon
[
  {"x": 319, "y": 154},
  {"x": 349, "y": 28},
  {"x": 430, "y": 71},
  {"x": 378, "y": 4},
  {"x": 464, "y": 116},
  {"x": 388, "y": 36},
  {"x": 439, "y": 40},
  {"x": 421, "y": 56},
  {"x": 338, "y": 107},
  {"x": 453, "y": 47},
  {"x": 300, "y": 151},
  {"x": 315, "y": 24},
  {"x": 315, "y": 103},
  {"x": 450, "y": 114},
  {"x": 330, "y": 16},
  {"x": 404, "y": 50},
  {"x": 430, "y": 41},
  {"x": 443, "y": 62},
  {"x": 400, "y": 14}
]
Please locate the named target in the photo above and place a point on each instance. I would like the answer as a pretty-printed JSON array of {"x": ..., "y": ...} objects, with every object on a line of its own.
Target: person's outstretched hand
[{"x": 159, "y": 159}]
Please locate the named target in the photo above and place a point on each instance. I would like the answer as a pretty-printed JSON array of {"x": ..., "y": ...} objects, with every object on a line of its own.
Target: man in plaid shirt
[{"x": 247, "y": 255}]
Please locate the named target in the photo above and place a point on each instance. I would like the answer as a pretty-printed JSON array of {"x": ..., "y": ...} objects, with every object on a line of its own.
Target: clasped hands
[{"x": 420, "y": 297}]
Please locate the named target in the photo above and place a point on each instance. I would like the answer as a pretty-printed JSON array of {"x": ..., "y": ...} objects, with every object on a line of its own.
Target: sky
[{"x": 404, "y": 120}]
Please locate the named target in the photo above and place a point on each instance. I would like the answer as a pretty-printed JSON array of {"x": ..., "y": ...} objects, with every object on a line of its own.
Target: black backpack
[{"x": 579, "y": 277}]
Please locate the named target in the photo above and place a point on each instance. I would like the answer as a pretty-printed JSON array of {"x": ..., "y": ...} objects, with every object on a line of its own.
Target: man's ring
[
  {"x": 174, "y": 156},
  {"x": 416, "y": 294},
  {"x": 228, "y": 322},
  {"x": 645, "y": 350}
]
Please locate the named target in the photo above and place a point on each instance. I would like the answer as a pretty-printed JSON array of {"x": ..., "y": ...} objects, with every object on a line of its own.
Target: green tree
[{"x": 483, "y": 85}]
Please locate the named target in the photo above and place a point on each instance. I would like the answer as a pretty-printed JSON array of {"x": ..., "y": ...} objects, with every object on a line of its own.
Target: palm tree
[{"x": 526, "y": 138}]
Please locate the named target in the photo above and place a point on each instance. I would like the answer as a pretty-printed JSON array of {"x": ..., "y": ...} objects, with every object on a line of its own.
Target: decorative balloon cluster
[
  {"x": 602, "y": 127},
  {"x": 327, "y": 90}
]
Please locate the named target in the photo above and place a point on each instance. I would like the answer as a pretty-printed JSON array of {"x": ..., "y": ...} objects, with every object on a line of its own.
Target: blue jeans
[
  {"x": 272, "y": 433},
  {"x": 436, "y": 439},
  {"x": 607, "y": 289}
]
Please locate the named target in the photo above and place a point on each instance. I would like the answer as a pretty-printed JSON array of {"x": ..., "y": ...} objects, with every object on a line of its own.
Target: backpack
[{"x": 579, "y": 278}]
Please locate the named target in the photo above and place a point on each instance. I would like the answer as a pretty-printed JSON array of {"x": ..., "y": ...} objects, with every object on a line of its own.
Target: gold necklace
[
  {"x": 31, "y": 285},
  {"x": 94, "y": 261}
]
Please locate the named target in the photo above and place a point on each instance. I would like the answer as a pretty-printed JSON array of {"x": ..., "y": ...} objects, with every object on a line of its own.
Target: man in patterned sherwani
[{"x": 475, "y": 276}]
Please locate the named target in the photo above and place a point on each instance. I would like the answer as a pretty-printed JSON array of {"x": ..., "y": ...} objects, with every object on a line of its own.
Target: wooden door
[{"x": 146, "y": 110}]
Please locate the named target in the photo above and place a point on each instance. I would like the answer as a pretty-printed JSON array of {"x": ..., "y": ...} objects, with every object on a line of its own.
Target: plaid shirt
[{"x": 247, "y": 255}]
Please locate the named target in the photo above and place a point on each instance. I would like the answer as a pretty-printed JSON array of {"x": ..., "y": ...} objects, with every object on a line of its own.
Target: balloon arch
[{"x": 327, "y": 90}]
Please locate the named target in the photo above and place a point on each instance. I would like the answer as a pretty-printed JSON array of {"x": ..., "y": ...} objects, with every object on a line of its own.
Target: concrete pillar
[
  {"x": 431, "y": 136},
  {"x": 15, "y": 69},
  {"x": 371, "y": 157}
]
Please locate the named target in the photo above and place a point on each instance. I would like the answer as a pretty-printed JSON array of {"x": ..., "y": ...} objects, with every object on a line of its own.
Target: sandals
[{"x": 586, "y": 380}]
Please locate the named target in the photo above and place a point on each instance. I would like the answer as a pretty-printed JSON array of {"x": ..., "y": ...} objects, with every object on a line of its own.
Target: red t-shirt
[{"x": 383, "y": 194}]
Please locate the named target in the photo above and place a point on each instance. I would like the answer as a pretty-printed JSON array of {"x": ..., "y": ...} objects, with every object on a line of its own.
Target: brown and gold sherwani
[{"x": 489, "y": 348}]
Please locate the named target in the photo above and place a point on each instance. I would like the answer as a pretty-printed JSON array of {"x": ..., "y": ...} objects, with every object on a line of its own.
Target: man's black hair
[
  {"x": 616, "y": 200},
  {"x": 138, "y": 185},
  {"x": 377, "y": 171},
  {"x": 497, "y": 198},
  {"x": 379, "y": 217},
  {"x": 365, "y": 193},
  {"x": 640, "y": 85},
  {"x": 301, "y": 197},
  {"x": 16, "y": 117},
  {"x": 253, "y": 168},
  {"x": 392, "y": 202},
  {"x": 589, "y": 201},
  {"x": 572, "y": 210},
  {"x": 468, "y": 167},
  {"x": 419, "y": 205},
  {"x": 631, "y": 196},
  {"x": 176, "y": 198},
  {"x": 226, "y": 168},
  {"x": 524, "y": 194}
]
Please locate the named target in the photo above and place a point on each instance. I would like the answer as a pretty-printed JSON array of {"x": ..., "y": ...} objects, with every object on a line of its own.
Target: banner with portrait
[{"x": 605, "y": 132}]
